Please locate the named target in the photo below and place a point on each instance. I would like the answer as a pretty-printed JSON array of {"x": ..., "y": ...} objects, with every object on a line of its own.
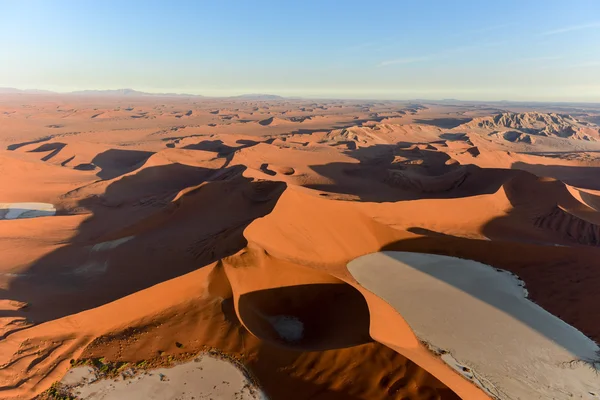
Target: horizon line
[{"x": 141, "y": 93}]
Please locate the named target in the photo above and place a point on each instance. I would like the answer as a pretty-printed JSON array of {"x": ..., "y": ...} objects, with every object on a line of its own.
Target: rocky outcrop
[{"x": 535, "y": 123}]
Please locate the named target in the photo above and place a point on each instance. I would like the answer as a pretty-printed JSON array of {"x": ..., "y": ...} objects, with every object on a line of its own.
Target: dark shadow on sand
[
  {"x": 223, "y": 150},
  {"x": 582, "y": 177},
  {"x": 378, "y": 178},
  {"x": 323, "y": 316},
  {"x": 444, "y": 123},
  {"x": 116, "y": 162},
  {"x": 52, "y": 149},
  {"x": 18, "y": 145},
  {"x": 164, "y": 237}
]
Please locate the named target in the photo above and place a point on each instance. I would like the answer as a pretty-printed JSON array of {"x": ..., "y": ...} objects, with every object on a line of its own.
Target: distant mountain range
[
  {"x": 258, "y": 96},
  {"x": 131, "y": 93},
  {"x": 7, "y": 90}
]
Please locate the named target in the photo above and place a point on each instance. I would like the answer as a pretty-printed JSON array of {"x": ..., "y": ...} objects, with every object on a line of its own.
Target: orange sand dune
[{"x": 226, "y": 225}]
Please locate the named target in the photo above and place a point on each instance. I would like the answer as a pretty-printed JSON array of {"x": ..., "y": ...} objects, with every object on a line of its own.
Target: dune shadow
[
  {"x": 219, "y": 147},
  {"x": 425, "y": 232},
  {"x": 18, "y": 145},
  {"x": 246, "y": 142},
  {"x": 337, "y": 125},
  {"x": 87, "y": 167},
  {"x": 444, "y": 123},
  {"x": 67, "y": 161},
  {"x": 215, "y": 146},
  {"x": 288, "y": 387},
  {"x": 267, "y": 121},
  {"x": 401, "y": 375},
  {"x": 311, "y": 317},
  {"x": 116, "y": 162},
  {"x": 265, "y": 168},
  {"x": 579, "y": 176},
  {"x": 455, "y": 137},
  {"x": 112, "y": 162},
  {"x": 143, "y": 229},
  {"x": 52, "y": 148},
  {"x": 393, "y": 173}
]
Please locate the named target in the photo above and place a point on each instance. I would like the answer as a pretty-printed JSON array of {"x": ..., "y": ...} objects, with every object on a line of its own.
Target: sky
[{"x": 544, "y": 50}]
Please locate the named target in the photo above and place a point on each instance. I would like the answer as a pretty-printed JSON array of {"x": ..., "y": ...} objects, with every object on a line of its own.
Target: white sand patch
[
  {"x": 26, "y": 210},
  {"x": 103, "y": 246},
  {"x": 482, "y": 320},
  {"x": 98, "y": 263},
  {"x": 465, "y": 371},
  {"x": 91, "y": 268},
  {"x": 79, "y": 376},
  {"x": 203, "y": 378},
  {"x": 15, "y": 275},
  {"x": 289, "y": 328}
]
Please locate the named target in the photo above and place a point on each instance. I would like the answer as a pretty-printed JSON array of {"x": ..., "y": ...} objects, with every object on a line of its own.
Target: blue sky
[{"x": 478, "y": 50}]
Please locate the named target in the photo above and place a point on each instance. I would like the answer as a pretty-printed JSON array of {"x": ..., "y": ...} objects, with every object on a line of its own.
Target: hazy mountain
[
  {"x": 129, "y": 92},
  {"x": 136, "y": 93},
  {"x": 259, "y": 96},
  {"x": 8, "y": 90}
]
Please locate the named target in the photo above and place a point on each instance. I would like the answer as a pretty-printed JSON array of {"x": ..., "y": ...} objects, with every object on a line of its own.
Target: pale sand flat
[
  {"x": 26, "y": 210},
  {"x": 203, "y": 378},
  {"x": 112, "y": 244},
  {"x": 479, "y": 318}
]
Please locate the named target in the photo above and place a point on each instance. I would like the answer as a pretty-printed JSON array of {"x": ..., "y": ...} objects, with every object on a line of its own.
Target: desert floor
[{"x": 161, "y": 246}]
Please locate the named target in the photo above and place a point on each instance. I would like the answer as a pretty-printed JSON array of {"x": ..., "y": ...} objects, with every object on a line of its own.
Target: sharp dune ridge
[{"x": 229, "y": 227}]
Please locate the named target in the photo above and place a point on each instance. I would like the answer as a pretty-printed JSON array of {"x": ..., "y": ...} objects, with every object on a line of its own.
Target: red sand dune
[{"x": 173, "y": 236}]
